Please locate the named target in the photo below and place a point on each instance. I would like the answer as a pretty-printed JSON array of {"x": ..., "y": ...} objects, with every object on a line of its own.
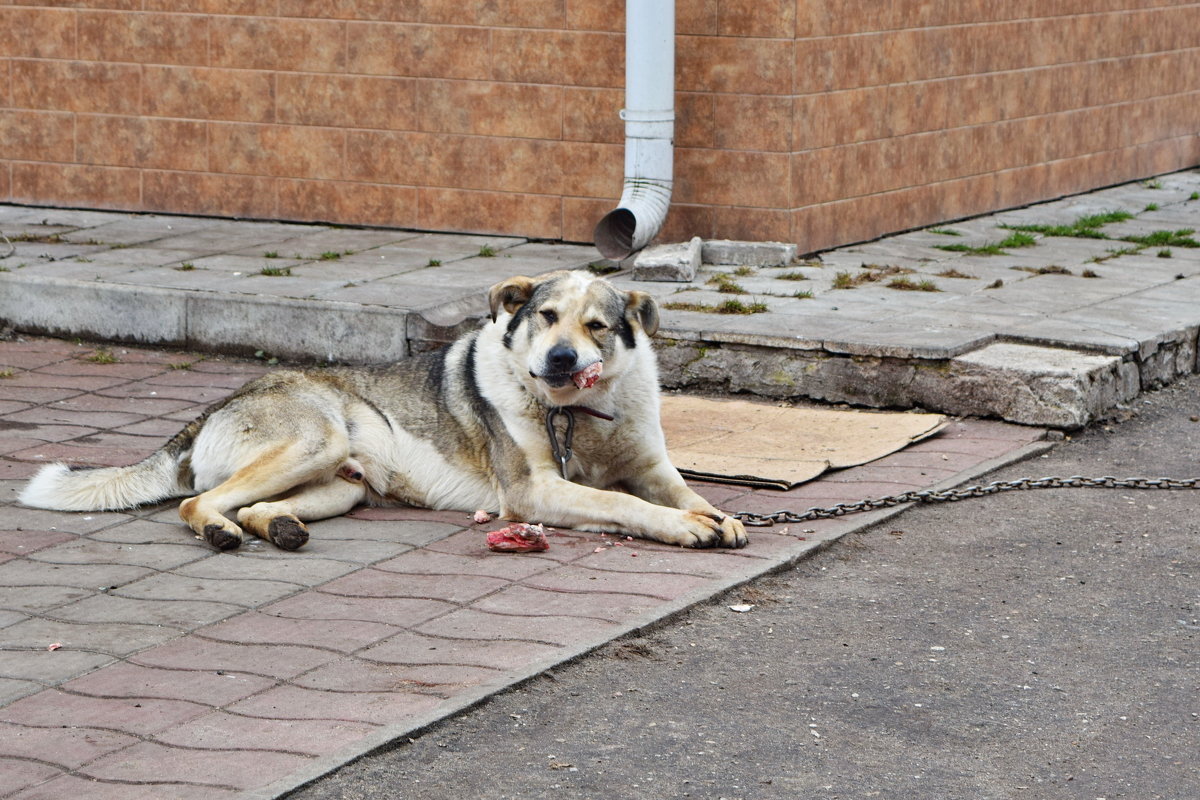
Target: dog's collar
[
  {"x": 591, "y": 412},
  {"x": 562, "y": 449}
]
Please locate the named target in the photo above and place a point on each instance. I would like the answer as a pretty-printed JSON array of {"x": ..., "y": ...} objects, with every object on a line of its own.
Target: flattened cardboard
[{"x": 761, "y": 445}]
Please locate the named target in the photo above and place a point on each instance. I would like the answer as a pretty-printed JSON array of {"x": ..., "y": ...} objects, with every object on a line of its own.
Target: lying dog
[{"x": 550, "y": 413}]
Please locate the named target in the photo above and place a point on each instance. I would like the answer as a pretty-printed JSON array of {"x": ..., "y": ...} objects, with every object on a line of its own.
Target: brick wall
[{"x": 814, "y": 121}]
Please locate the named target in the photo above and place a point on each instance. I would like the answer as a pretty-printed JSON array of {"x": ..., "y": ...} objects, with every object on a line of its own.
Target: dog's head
[{"x": 570, "y": 329}]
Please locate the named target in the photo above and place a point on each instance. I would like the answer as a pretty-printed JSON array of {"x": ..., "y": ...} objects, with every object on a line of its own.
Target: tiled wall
[{"x": 814, "y": 121}]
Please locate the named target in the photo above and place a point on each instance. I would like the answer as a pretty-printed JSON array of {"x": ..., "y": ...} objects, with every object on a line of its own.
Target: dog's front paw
[
  {"x": 733, "y": 532},
  {"x": 711, "y": 530}
]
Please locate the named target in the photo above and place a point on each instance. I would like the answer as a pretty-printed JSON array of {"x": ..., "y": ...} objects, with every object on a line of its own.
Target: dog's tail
[{"x": 164, "y": 474}]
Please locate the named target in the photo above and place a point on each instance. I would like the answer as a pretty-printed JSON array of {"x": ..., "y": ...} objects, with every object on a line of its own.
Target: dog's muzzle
[
  {"x": 562, "y": 367},
  {"x": 559, "y": 365}
]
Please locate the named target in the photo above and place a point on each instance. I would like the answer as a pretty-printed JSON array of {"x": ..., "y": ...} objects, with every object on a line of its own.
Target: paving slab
[{"x": 137, "y": 662}]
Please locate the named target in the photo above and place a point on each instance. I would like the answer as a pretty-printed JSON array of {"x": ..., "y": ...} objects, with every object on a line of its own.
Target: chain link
[{"x": 954, "y": 495}]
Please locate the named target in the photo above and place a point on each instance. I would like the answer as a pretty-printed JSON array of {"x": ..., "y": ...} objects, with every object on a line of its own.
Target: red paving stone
[
  {"x": 373, "y": 676},
  {"x": 139, "y": 717},
  {"x": 223, "y": 731},
  {"x": 209, "y": 687},
  {"x": 66, "y": 748},
  {"x": 231, "y": 671},
  {"x": 16, "y": 774},
  {"x": 295, "y": 702},
  {"x": 269, "y": 660},
  {"x": 90, "y": 788},
  {"x": 233, "y": 769}
]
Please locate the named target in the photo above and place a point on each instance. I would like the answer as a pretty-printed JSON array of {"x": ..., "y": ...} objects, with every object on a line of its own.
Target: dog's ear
[
  {"x": 641, "y": 308},
  {"x": 510, "y": 294}
]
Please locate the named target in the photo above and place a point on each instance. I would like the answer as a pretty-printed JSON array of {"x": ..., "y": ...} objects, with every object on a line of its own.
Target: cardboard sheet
[{"x": 758, "y": 444}]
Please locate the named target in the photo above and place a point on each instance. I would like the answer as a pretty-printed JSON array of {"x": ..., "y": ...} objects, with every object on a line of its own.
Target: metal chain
[
  {"x": 954, "y": 495},
  {"x": 561, "y": 449}
]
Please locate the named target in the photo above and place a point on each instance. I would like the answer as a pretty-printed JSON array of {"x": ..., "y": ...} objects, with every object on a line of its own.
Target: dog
[{"x": 549, "y": 412}]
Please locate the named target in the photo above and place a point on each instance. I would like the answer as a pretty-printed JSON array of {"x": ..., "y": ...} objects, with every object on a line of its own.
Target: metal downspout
[{"x": 649, "y": 116}]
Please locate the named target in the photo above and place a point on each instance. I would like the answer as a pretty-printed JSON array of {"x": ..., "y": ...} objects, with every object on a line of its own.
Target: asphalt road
[{"x": 1031, "y": 645}]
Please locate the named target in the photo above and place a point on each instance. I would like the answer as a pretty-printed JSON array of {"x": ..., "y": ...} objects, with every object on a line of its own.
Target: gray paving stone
[
  {"x": 125, "y": 229},
  {"x": 353, "y": 272},
  {"x": 12, "y": 689},
  {"x": 36, "y": 598},
  {"x": 228, "y": 237},
  {"x": 318, "y": 547},
  {"x": 89, "y": 552},
  {"x": 181, "y": 614},
  {"x": 240, "y": 265},
  {"x": 50, "y": 667},
  {"x": 899, "y": 251},
  {"x": 311, "y": 572},
  {"x": 76, "y": 267},
  {"x": 110, "y": 638},
  {"x": 11, "y": 617},
  {"x": 299, "y": 286},
  {"x": 243, "y": 592},
  {"x": 343, "y": 241},
  {"x": 24, "y": 518},
  {"x": 1055, "y": 294},
  {"x": 139, "y": 532},
  {"x": 1054, "y": 332}
]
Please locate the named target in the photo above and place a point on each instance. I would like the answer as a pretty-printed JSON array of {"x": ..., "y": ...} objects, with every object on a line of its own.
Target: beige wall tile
[{"x": 141, "y": 142}]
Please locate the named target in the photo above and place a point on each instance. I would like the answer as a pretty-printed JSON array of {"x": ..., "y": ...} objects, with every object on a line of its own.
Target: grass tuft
[
  {"x": 725, "y": 284},
  {"x": 730, "y": 306},
  {"x": 953, "y": 273},
  {"x": 1179, "y": 238},
  {"x": 909, "y": 285},
  {"x": 103, "y": 356},
  {"x": 1086, "y": 227}
]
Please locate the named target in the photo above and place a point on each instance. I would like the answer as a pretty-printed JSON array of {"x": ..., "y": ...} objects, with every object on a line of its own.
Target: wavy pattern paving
[{"x": 186, "y": 673}]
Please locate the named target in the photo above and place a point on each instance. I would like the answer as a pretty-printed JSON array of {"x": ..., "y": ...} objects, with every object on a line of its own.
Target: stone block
[
  {"x": 1039, "y": 385},
  {"x": 748, "y": 254},
  {"x": 668, "y": 262},
  {"x": 65, "y": 307},
  {"x": 301, "y": 329}
]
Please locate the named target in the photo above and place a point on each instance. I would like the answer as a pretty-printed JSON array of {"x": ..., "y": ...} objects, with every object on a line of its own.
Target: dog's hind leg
[
  {"x": 282, "y": 521},
  {"x": 271, "y": 474}
]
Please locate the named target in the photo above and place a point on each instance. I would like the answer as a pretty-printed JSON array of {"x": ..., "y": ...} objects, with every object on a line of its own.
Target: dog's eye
[
  {"x": 551, "y": 317},
  {"x": 596, "y": 325}
]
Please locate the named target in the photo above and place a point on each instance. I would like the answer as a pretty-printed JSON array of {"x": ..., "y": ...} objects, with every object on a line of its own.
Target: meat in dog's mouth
[{"x": 583, "y": 379}]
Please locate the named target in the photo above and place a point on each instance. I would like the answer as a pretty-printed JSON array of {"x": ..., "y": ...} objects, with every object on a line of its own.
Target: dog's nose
[{"x": 561, "y": 358}]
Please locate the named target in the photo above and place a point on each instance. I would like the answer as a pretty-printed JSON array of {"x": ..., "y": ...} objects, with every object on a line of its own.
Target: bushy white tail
[{"x": 58, "y": 487}]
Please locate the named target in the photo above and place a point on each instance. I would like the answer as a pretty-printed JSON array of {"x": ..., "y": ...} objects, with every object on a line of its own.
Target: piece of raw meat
[
  {"x": 520, "y": 537},
  {"x": 586, "y": 378}
]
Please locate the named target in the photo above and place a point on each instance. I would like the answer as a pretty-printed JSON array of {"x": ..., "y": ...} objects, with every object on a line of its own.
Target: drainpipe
[{"x": 649, "y": 116}]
